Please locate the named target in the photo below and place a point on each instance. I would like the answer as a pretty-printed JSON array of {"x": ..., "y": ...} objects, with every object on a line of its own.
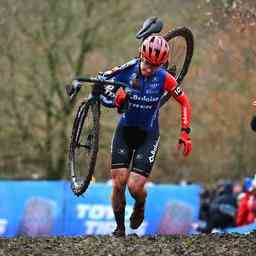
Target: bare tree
[{"x": 52, "y": 41}]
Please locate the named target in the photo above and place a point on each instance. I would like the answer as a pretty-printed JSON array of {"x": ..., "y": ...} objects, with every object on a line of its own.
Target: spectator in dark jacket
[{"x": 222, "y": 210}]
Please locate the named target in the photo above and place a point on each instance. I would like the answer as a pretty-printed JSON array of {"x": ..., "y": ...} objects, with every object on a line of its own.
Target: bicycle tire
[
  {"x": 187, "y": 35},
  {"x": 81, "y": 174}
]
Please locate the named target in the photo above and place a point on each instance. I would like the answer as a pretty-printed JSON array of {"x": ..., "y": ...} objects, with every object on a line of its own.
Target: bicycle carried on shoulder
[{"x": 84, "y": 142}]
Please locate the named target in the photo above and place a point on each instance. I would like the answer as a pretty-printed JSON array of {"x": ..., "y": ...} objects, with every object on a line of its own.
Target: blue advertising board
[
  {"x": 50, "y": 208},
  {"x": 31, "y": 208},
  {"x": 242, "y": 229},
  {"x": 172, "y": 209},
  {"x": 92, "y": 214}
]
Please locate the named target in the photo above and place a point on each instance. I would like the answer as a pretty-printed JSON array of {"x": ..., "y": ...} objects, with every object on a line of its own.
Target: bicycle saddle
[{"x": 150, "y": 26}]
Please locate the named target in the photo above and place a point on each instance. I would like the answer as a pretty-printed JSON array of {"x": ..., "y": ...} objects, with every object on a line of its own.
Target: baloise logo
[{"x": 153, "y": 152}]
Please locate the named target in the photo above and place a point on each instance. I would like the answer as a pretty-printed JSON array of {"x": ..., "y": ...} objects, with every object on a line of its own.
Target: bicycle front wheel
[
  {"x": 181, "y": 44},
  {"x": 84, "y": 146}
]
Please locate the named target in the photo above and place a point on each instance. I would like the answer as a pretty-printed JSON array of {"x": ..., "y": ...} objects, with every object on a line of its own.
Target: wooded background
[{"x": 44, "y": 44}]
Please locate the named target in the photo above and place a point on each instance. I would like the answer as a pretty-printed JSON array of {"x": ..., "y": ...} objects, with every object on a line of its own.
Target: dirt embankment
[{"x": 132, "y": 245}]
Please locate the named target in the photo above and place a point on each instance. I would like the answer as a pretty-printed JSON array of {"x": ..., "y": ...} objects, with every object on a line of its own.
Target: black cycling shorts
[{"x": 134, "y": 147}]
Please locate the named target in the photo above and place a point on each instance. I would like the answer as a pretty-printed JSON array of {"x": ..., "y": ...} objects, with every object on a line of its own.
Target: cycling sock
[
  {"x": 119, "y": 217},
  {"x": 139, "y": 204}
]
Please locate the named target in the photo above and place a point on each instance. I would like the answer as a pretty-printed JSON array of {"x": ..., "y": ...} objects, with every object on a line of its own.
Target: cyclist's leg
[
  {"x": 136, "y": 184},
  {"x": 121, "y": 156},
  {"x": 143, "y": 161},
  {"x": 119, "y": 179}
]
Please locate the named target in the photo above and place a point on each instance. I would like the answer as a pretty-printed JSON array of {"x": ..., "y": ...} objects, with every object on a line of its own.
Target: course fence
[{"x": 38, "y": 208}]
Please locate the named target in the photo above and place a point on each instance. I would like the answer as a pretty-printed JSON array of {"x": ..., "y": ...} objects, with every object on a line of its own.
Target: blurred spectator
[
  {"x": 246, "y": 213},
  {"x": 253, "y": 121},
  {"x": 237, "y": 189},
  {"x": 205, "y": 201},
  {"x": 247, "y": 184},
  {"x": 222, "y": 208},
  {"x": 245, "y": 188}
]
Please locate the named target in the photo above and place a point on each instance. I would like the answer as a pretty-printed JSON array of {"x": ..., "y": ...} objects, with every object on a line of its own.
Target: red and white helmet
[{"x": 155, "y": 50}]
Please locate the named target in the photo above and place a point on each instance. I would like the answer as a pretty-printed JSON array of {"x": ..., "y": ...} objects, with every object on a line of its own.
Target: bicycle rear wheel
[
  {"x": 84, "y": 146},
  {"x": 181, "y": 44}
]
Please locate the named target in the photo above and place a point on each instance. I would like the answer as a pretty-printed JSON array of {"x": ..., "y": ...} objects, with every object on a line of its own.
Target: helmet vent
[
  {"x": 157, "y": 52},
  {"x": 152, "y": 39},
  {"x": 150, "y": 51},
  {"x": 163, "y": 56}
]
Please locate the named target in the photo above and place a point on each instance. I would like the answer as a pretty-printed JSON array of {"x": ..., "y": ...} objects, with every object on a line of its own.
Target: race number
[{"x": 178, "y": 91}]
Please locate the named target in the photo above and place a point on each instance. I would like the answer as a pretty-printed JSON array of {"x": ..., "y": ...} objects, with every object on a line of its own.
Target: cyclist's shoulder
[
  {"x": 163, "y": 71},
  {"x": 130, "y": 63},
  {"x": 123, "y": 67},
  {"x": 166, "y": 75}
]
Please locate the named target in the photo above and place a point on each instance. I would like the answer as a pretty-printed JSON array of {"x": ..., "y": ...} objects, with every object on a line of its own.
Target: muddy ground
[{"x": 132, "y": 245}]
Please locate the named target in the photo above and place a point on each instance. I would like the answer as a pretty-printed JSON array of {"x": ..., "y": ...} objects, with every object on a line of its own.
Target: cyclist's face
[{"x": 147, "y": 69}]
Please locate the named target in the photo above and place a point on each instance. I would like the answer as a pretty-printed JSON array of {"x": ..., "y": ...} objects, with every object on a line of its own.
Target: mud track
[{"x": 132, "y": 245}]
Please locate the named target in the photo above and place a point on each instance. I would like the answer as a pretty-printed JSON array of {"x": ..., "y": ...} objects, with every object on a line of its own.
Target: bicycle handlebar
[
  {"x": 99, "y": 80},
  {"x": 72, "y": 92}
]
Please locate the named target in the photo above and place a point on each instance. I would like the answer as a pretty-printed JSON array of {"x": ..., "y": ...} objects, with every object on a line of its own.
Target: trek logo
[
  {"x": 155, "y": 79},
  {"x": 153, "y": 152},
  {"x": 154, "y": 85},
  {"x": 108, "y": 91}
]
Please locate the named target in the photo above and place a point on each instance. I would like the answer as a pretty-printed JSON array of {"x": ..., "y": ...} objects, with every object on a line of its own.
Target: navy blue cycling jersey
[{"x": 145, "y": 95}]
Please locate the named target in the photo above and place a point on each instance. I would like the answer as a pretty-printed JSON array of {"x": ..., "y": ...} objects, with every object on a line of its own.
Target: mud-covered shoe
[
  {"x": 118, "y": 232},
  {"x": 137, "y": 216}
]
